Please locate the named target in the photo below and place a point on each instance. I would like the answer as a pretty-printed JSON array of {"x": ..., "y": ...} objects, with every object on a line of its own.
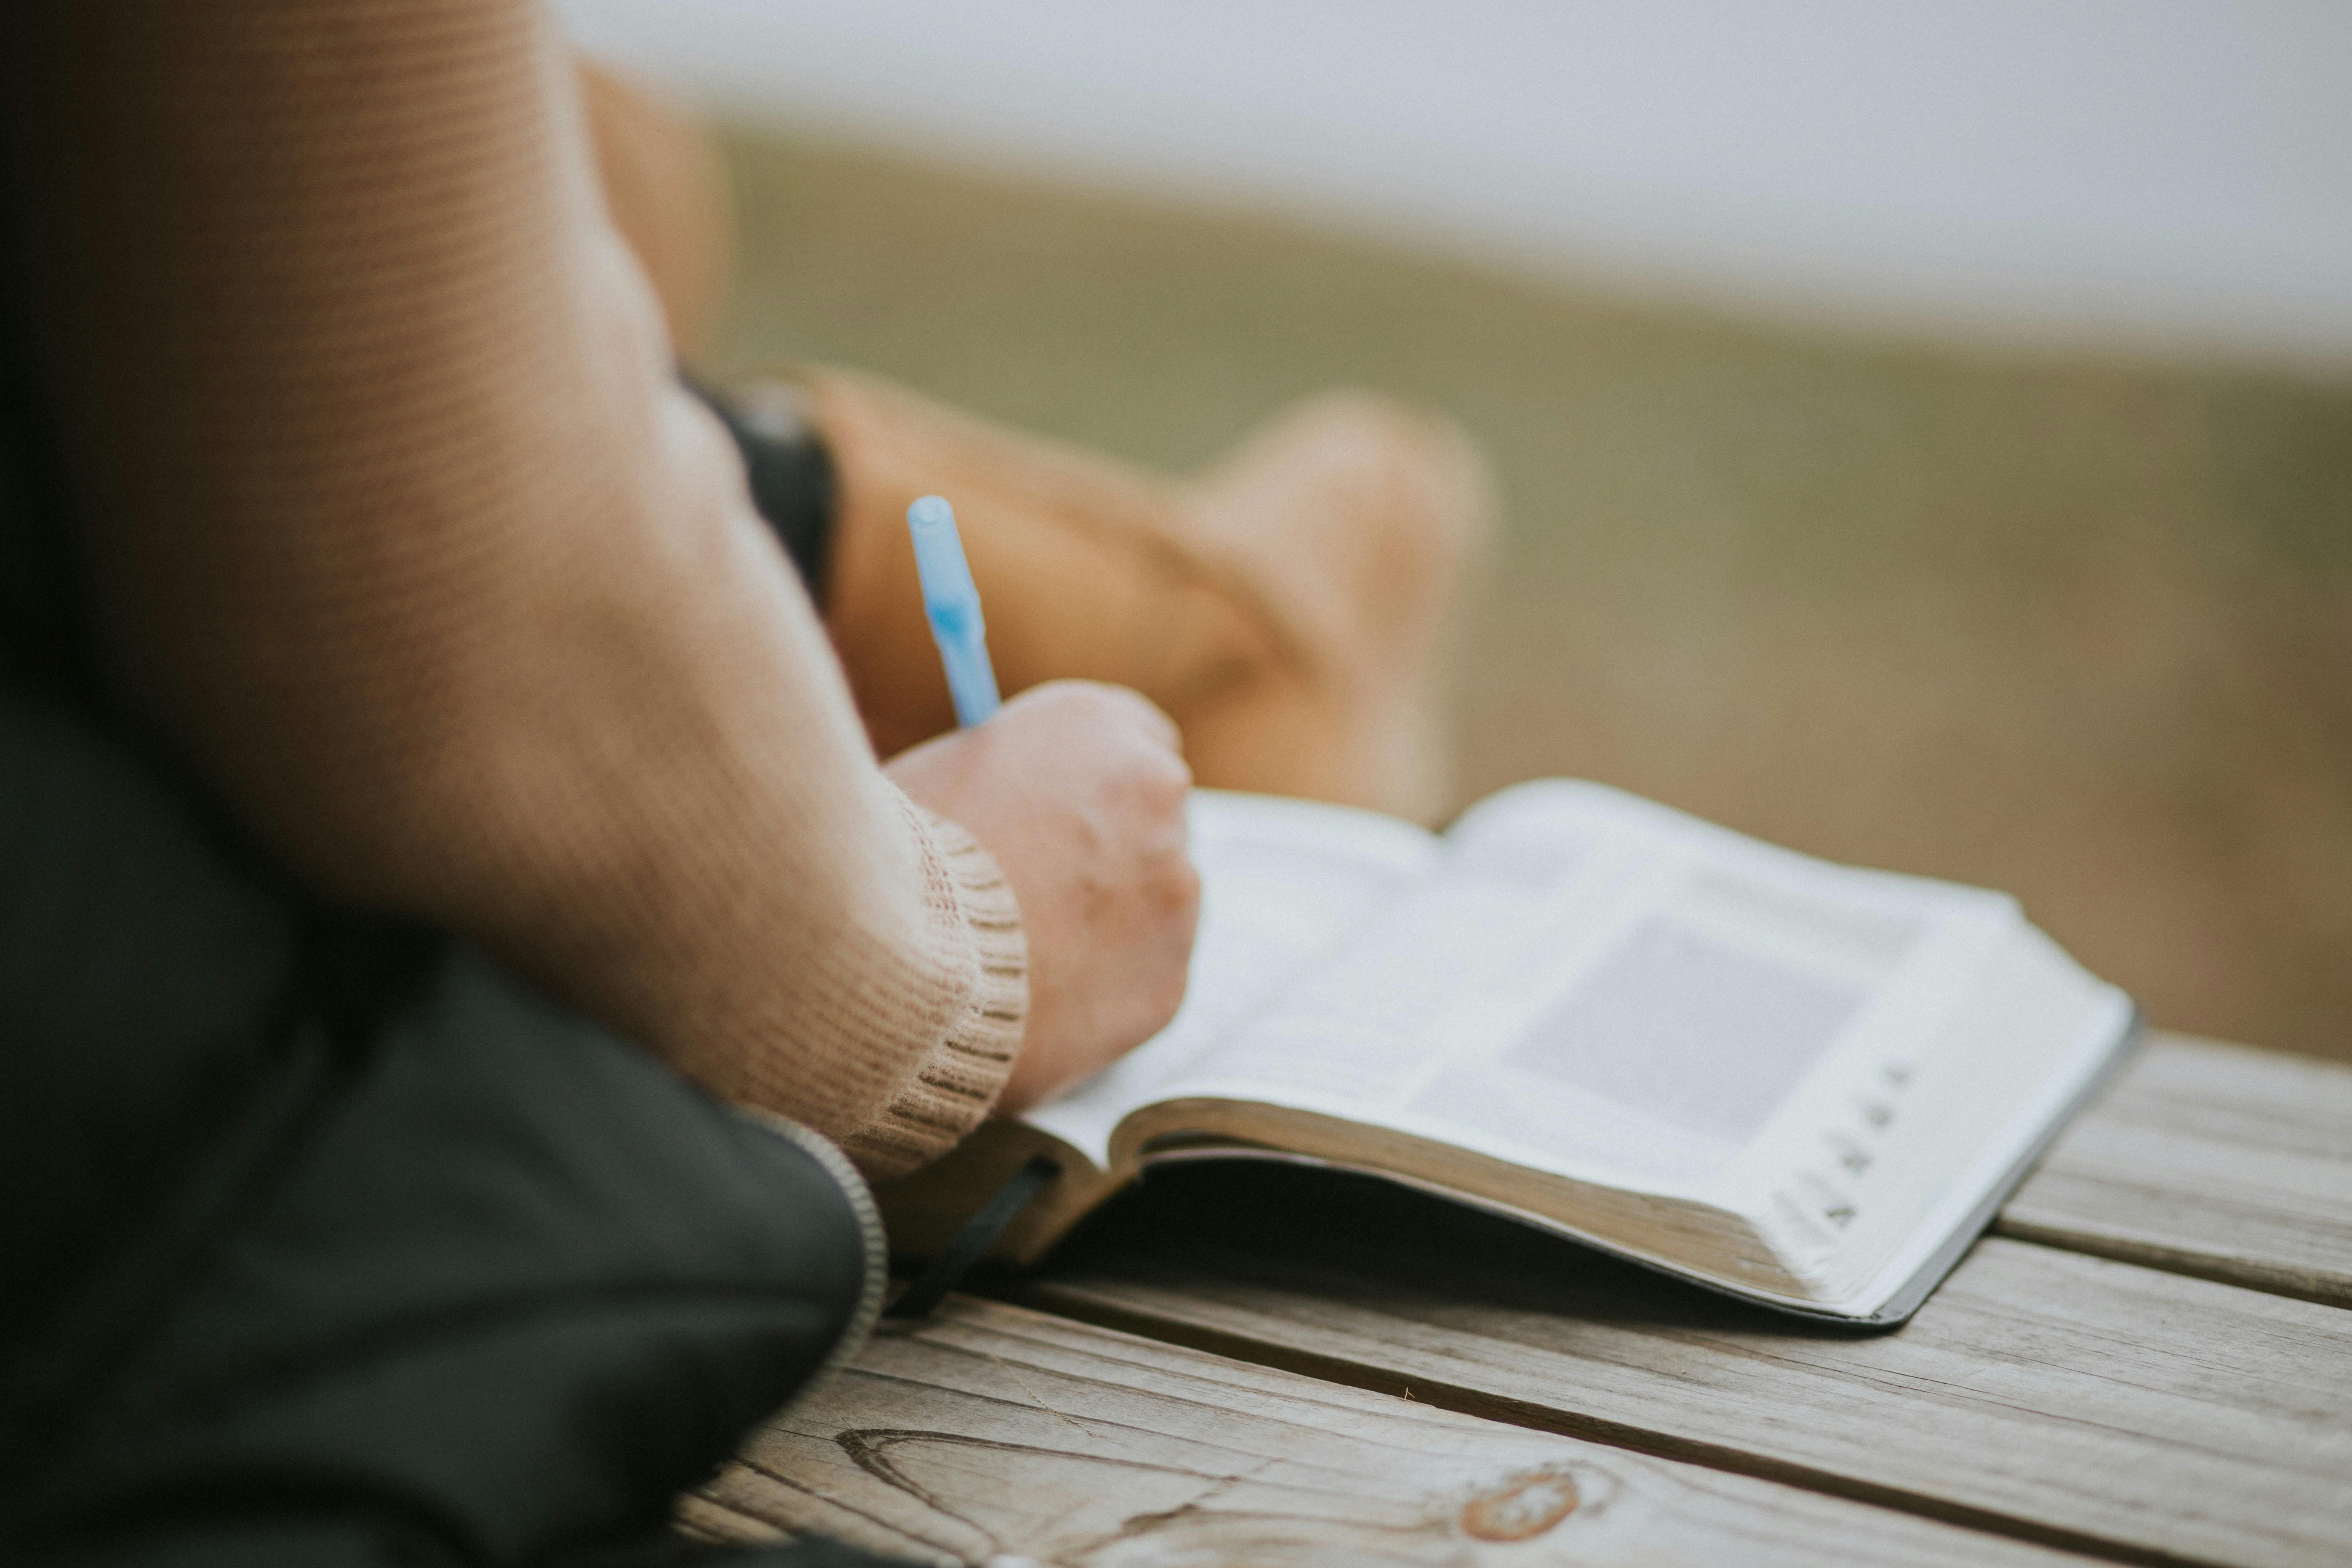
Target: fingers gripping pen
[
  {"x": 952, "y": 604},
  {"x": 952, "y": 601}
]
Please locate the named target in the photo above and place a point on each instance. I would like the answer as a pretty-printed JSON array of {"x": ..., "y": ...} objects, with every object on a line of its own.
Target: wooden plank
[
  {"x": 993, "y": 1433},
  {"x": 2110, "y": 1406},
  {"x": 2208, "y": 1159}
]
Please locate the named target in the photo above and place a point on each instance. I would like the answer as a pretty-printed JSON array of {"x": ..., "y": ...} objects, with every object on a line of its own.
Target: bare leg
[
  {"x": 1286, "y": 607},
  {"x": 668, "y": 194}
]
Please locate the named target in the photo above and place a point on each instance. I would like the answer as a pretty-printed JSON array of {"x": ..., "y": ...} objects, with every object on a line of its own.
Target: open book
[{"x": 1804, "y": 1084}]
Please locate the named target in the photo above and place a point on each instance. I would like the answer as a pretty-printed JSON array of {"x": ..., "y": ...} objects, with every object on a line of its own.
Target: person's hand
[{"x": 1079, "y": 792}]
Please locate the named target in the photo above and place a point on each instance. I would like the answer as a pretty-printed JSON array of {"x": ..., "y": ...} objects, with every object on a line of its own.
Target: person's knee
[{"x": 668, "y": 195}]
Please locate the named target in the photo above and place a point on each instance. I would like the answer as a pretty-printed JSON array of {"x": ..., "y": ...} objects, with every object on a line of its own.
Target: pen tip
[{"x": 930, "y": 513}]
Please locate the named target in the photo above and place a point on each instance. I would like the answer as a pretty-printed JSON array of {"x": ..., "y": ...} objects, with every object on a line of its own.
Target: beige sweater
[{"x": 399, "y": 520}]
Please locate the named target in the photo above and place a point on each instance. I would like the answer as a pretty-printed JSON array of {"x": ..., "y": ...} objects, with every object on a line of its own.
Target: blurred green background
[{"x": 2081, "y": 629}]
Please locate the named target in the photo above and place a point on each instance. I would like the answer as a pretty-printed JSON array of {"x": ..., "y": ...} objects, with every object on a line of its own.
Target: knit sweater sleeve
[{"x": 397, "y": 520}]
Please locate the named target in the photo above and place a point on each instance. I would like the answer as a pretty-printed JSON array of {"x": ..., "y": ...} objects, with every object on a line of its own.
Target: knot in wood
[{"x": 1522, "y": 1508}]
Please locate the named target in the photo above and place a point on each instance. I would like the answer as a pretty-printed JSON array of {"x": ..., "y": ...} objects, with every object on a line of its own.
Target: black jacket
[{"x": 323, "y": 1238}]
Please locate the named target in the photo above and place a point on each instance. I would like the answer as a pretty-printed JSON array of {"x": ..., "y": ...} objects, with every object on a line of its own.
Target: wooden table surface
[{"x": 2149, "y": 1360}]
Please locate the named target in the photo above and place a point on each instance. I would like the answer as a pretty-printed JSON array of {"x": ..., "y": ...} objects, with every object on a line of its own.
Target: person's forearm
[{"x": 402, "y": 524}]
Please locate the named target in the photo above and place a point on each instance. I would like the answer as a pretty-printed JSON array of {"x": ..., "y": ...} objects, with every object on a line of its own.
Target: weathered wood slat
[
  {"x": 2162, "y": 1416},
  {"x": 2208, "y": 1159},
  {"x": 995, "y": 1432}
]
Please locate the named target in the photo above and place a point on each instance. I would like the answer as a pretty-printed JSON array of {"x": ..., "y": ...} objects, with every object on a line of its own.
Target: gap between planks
[
  {"x": 991, "y": 1429},
  {"x": 2044, "y": 1394},
  {"x": 2202, "y": 1160},
  {"x": 2209, "y": 1160},
  {"x": 1436, "y": 1394}
]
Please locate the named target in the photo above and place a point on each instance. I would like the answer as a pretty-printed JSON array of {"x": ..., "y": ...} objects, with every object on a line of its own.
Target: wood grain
[
  {"x": 2082, "y": 1401},
  {"x": 992, "y": 1431},
  {"x": 2208, "y": 1159}
]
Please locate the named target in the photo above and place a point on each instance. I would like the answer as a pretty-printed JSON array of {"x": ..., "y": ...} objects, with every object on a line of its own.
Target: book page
[
  {"x": 1595, "y": 986},
  {"x": 1284, "y": 883}
]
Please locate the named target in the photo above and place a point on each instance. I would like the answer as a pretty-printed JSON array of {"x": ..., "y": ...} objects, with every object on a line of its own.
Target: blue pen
[{"x": 952, "y": 602}]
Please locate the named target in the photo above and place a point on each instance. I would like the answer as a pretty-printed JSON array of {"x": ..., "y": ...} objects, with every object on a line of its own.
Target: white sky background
[{"x": 2166, "y": 175}]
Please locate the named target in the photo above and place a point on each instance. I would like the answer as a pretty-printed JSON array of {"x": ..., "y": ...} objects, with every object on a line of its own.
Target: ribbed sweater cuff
[{"x": 956, "y": 1084}]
